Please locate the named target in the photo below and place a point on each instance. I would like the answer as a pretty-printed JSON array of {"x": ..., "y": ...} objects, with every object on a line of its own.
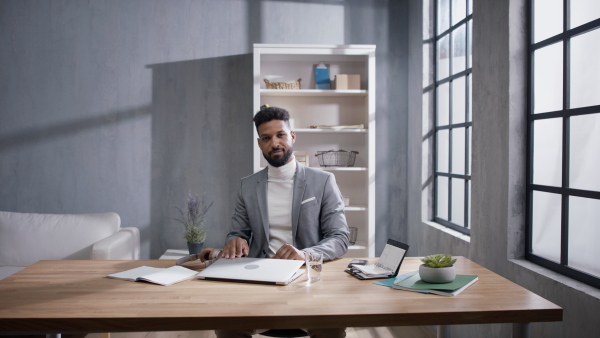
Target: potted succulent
[
  {"x": 437, "y": 268},
  {"x": 193, "y": 220}
]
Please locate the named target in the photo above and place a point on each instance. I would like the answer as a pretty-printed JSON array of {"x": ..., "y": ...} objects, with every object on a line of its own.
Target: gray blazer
[{"x": 318, "y": 219}]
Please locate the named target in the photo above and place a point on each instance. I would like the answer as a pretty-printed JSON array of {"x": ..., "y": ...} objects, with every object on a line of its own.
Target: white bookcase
[{"x": 309, "y": 106}]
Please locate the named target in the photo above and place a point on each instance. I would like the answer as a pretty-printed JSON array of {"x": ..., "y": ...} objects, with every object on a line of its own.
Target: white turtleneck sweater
[{"x": 280, "y": 192}]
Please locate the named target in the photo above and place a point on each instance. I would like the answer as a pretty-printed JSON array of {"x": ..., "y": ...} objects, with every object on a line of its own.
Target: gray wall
[
  {"x": 498, "y": 172},
  {"x": 127, "y": 105}
]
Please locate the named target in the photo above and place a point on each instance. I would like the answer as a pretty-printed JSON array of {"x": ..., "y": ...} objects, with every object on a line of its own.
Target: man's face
[{"x": 276, "y": 141}]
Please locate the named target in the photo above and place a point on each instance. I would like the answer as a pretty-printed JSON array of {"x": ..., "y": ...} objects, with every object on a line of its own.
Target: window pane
[
  {"x": 427, "y": 161},
  {"x": 469, "y": 204},
  {"x": 584, "y": 232},
  {"x": 443, "y": 105},
  {"x": 470, "y": 100},
  {"x": 443, "y": 70},
  {"x": 470, "y": 44},
  {"x": 469, "y": 153},
  {"x": 584, "y": 11},
  {"x": 584, "y": 161},
  {"x": 548, "y": 77},
  {"x": 443, "y": 13},
  {"x": 427, "y": 64},
  {"x": 458, "y": 201},
  {"x": 547, "y": 152},
  {"x": 428, "y": 20},
  {"x": 547, "y": 18},
  {"x": 428, "y": 112},
  {"x": 459, "y": 44},
  {"x": 545, "y": 225},
  {"x": 458, "y": 100},
  {"x": 470, "y": 6},
  {"x": 442, "y": 151},
  {"x": 585, "y": 69},
  {"x": 459, "y": 8},
  {"x": 442, "y": 197},
  {"x": 458, "y": 151}
]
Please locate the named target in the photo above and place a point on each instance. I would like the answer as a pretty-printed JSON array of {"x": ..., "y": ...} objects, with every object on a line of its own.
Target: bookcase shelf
[
  {"x": 327, "y": 107},
  {"x": 329, "y": 131},
  {"x": 311, "y": 92}
]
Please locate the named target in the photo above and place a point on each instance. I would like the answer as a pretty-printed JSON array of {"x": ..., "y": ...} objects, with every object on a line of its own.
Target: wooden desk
[{"x": 72, "y": 296}]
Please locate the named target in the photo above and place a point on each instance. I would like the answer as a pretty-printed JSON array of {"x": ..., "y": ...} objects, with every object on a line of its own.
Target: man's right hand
[{"x": 236, "y": 247}]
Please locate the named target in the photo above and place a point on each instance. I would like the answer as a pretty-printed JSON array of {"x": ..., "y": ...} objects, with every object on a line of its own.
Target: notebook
[
  {"x": 253, "y": 270},
  {"x": 451, "y": 289}
]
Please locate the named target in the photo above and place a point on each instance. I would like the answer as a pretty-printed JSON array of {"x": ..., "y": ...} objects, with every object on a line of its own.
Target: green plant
[
  {"x": 438, "y": 261},
  {"x": 193, "y": 218}
]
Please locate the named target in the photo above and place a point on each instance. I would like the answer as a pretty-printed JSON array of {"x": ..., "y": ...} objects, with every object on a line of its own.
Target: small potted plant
[
  {"x": 193, "y": 220},
  {"x": 437, "y": 268}
]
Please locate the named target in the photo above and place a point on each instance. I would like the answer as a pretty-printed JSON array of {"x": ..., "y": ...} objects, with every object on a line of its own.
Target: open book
[
  {"x": 387, "y": 265},
  {"x": 162, "y": 276},
  {"x": 415, "y": 284}
]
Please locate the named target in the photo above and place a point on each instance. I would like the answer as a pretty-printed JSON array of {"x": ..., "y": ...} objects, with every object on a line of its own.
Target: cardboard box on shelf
[{"x": 347, "y": 81}]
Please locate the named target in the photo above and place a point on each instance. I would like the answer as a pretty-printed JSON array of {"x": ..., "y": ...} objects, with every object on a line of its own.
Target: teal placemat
[{"x": 388, "y": 282}]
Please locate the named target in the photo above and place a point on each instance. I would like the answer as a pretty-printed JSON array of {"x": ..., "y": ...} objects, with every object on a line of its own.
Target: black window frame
[
  {"x": 565, "y": 114},
  {"x": 467, "y": 124}
]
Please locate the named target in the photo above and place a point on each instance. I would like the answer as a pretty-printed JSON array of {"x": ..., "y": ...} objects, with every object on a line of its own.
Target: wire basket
[
  {"x": 283, "y": 85},
  {"x": 336, "y": 158}
]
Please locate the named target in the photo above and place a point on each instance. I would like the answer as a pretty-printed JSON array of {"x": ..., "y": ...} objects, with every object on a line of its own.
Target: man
[{"x": 286, "y": 209}]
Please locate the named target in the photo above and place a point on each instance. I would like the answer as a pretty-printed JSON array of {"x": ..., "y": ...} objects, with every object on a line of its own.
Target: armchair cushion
[{"x": 124, "y": 244}]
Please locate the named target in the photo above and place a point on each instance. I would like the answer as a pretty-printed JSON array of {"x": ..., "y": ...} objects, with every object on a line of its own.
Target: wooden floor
[{"x": 351, "y": 332}]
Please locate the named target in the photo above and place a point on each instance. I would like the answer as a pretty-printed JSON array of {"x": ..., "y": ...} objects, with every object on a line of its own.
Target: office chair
[{"x": 283, "y": 333}]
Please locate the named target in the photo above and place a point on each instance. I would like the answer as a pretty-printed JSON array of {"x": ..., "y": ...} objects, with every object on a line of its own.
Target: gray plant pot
[
  {"x": 195, "y": 248},
  {"x": 437, "y": 275}
]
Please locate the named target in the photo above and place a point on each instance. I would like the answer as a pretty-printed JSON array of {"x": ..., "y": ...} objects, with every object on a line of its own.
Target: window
[
  {"x": 450, "y": 87},
  {"x": 563, "y": 166}
]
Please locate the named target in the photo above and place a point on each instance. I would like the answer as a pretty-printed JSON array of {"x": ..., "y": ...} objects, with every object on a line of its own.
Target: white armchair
[{"x": 27, "y": 238}]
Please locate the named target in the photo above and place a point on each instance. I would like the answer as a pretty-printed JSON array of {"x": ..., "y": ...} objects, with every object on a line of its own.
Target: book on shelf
[
  {"x": 386, "y": 266},
  {"x": 322, "y": 80},
  {"x": 161, "y": 276},
  {"x": 414, "y": 283}
]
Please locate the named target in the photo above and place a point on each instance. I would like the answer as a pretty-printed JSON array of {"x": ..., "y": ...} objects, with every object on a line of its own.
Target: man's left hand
[{"x": 288, "y": 251}]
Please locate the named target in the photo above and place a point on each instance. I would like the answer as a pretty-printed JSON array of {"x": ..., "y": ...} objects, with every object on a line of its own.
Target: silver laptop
[{"x": 253, "y": 270}]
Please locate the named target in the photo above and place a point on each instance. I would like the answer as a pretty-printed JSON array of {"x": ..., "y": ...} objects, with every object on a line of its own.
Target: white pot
[{"x": 437, "y": 275}]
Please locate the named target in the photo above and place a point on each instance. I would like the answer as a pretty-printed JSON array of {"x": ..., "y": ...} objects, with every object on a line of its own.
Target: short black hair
[{"x": 266, "y": 114}]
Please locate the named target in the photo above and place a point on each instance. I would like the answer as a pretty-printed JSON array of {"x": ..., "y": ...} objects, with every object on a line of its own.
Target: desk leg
[
  {"x": 443, "y": 331},
  {"x": 520, "y": 330}
]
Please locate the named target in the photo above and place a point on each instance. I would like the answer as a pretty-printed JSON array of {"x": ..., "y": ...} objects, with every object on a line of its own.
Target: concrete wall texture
[
  {"x": 498, "y": 171},
  {"x": 125, "y": 106}
]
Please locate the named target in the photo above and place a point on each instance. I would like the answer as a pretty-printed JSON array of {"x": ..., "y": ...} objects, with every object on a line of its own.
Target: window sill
[
  {"x": 558, "y": 278},
  {"x": 449, "y": 231}
]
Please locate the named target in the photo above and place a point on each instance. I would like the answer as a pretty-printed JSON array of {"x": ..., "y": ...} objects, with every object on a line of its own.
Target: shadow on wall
[
  {"x": 77, "y": 166},
  {"x": 201, "y": 142},
  {"x": 47, "y": 133}
]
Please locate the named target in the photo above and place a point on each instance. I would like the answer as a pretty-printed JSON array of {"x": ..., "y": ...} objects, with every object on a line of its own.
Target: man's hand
[
  {"x": 288, "y": 251},
  {"x": 237, "y": 247}
]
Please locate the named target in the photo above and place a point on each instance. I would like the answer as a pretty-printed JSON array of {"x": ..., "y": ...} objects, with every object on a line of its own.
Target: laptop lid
[{"x": 253, "y": 270}]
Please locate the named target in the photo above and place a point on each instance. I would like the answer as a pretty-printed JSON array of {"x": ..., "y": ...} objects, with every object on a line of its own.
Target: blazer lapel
[
  {"x": 261, "y": 196},
  {"x": 299, "y": 187}
]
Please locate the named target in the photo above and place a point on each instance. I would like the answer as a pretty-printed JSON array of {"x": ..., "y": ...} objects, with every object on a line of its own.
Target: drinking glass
[{"x": 314, "y": 266}]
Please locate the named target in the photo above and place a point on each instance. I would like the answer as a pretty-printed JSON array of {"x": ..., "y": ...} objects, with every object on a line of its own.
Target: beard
[{"x": 279, "y": 160}]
